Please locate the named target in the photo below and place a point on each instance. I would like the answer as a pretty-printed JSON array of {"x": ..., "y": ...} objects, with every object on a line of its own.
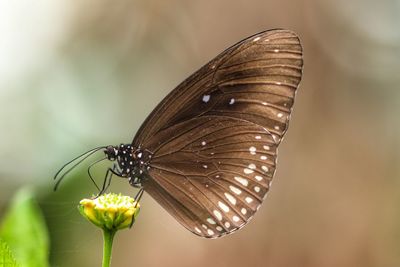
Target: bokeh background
[{"x": 78, "y": 74}]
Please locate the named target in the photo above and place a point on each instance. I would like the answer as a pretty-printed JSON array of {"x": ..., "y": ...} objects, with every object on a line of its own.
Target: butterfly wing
[{"x": 214, "y": 138}]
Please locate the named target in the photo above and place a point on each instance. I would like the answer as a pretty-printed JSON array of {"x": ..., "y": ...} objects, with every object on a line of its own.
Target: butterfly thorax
[{"x": 131, "y": 162}]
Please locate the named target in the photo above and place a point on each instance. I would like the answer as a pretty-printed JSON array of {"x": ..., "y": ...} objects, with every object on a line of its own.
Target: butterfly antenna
[{"x": 80, "y": 160}]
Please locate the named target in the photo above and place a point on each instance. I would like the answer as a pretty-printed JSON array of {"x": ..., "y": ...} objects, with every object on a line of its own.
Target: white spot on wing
[
  {"x": 247, "y": 171},
  {"x": 218, "y": 215},
  {"x": 259, "y": 178},
  {"x": 230, "y": 198},
  {"x": 249, "y": 200},
  {"x": 252, "y": 166},
  {"x": 263, "y": 157},
  {"x": 243, "y": 211},
  {"x": 280, "y": 115},
  {"x": 206, "y": 98},
  {"x": 210, "y": 221},
  {"x": 219, "y": 228},
  {"x": 257, "y": 189},
  {"x": 252, "y": 150},
  {"x": 210, "y": 232},
  {"x": 258, "y": 137},
  {"x": 235, "y": 190},
  {"x": 232, "y": 101},
  {"x": 265, "y": 168},
  {"x": 241, "y": 180},
  {"x": 224, "y": 207},
  {"x": 235, "y": 218},
  {"x": 266, "y": 147},
  {"x": 197, "y": 230},
  {"x": 203, "y": 143},
  {"x": 276, "y": 50},
  {"x": 227, "y": 224},
  {"x": 256, "y": 39}
]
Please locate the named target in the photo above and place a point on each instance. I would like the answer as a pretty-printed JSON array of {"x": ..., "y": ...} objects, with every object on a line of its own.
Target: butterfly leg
[
  {"x": 137, "y": 199},
  {"x": 139, "y": 196},
  {"x": 90, "y": 174},
  {"x": 107, "y": 179},
  {"x": 112, "y": 171}
]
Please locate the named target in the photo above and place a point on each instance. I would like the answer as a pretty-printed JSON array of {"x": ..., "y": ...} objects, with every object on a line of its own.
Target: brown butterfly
[{"x": 207, "y": 153}]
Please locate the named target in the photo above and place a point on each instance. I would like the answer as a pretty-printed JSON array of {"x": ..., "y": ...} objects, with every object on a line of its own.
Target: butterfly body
[
  {"x": 207, "y": 153},
  {"x": 131, "y": 162}
]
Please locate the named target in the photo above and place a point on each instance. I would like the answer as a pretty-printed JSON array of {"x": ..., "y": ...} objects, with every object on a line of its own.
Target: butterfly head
[{"x": 111, "y": 152}]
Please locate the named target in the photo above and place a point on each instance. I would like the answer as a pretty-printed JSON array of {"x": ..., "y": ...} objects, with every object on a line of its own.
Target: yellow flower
[{"x": 110, "y": 211}]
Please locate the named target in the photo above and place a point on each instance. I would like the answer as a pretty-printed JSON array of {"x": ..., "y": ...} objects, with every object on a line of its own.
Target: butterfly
[{"x": 207, "y": 153}]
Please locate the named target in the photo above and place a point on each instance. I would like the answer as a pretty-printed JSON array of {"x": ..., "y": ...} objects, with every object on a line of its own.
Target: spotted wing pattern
[{"x": 214, "y": 138}]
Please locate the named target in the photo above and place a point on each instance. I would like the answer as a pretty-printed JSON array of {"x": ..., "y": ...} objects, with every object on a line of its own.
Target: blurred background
[{"x": 79, "y": 74}]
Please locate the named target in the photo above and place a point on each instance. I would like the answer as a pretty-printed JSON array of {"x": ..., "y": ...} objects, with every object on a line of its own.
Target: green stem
[{"x": 108, "y": 237}]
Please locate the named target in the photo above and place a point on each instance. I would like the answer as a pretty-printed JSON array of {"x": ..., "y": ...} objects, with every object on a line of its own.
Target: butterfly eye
[{"x": 111, "y": 153}]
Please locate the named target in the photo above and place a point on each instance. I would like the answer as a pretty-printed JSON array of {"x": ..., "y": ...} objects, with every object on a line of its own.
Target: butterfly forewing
[{"x": 214, "y": 138}]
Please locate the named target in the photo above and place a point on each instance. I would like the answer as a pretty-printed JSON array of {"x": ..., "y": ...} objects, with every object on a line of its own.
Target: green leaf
[
  {"x": 6, "y": 257},
  {"x": 24, "y": 230}
]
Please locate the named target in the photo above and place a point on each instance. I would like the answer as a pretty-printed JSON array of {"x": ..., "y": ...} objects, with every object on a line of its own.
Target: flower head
[{"x": 110, "y": 211}]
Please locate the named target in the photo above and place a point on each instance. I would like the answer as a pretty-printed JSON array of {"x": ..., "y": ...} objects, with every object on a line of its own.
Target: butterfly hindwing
[{"x": 220, "y": 173}]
